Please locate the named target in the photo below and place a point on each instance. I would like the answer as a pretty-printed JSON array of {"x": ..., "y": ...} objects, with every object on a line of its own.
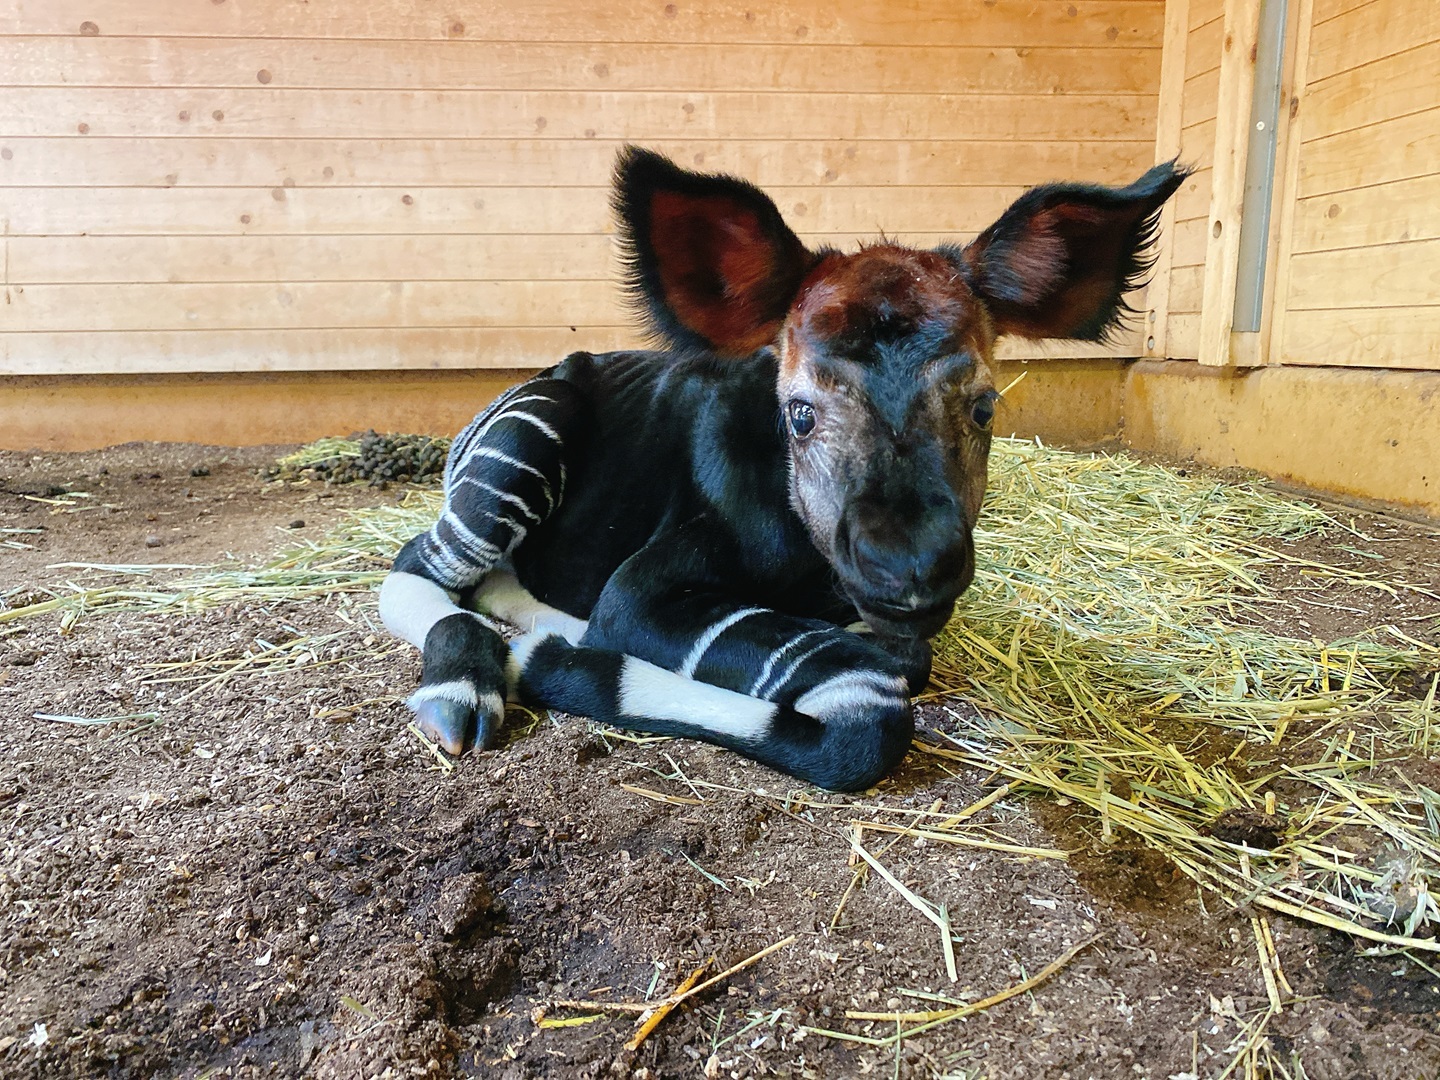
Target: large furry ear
[
  {"x": 709, "y": 262},
  {"x": 1059, "y": 262}
]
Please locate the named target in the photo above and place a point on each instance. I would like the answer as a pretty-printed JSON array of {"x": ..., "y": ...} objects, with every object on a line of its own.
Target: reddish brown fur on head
[{"x": 884, "y": 353}]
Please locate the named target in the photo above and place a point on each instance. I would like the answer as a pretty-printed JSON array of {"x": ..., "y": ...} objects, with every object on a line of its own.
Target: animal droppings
[{"x": 374, "y": 458}]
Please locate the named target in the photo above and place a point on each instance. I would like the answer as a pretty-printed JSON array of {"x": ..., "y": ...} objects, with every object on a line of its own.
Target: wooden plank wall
[
  {"x": 202, "y": 185},
  {"x": 1360, "y": 258},
  {"x": 1192, "y": 203}
]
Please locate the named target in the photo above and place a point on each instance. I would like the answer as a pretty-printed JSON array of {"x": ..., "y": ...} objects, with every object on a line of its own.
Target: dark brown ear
[
  {"x": 709, "y": 263},
  {"x": 1059, "y": 262}
]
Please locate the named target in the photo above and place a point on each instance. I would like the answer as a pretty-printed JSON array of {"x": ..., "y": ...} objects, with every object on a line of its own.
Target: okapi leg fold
[{"x": 852, "y": 737}]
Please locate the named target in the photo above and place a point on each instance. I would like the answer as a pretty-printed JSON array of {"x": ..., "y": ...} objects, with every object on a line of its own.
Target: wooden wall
[
  {"x": 1354, "y": 272},
  {"x": 1196, "y": 147},
  {"x": 252, "y": 185},
  {"x": 1360, "y": 261}
]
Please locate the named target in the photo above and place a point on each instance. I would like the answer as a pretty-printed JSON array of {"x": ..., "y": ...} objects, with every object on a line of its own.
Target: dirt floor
[{"x": 270, "y": 876}]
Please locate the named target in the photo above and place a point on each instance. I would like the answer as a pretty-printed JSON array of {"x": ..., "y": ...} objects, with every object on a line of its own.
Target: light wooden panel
[
  {"x": 271, "y": 185},
  {"x": 818, "y": 22},
  {"x": 1385, "y": 275},
  {"x": 642, "y": 115},
  {"x": 1366, "y": 337},
  {"x": 492, "y": 211},
  {"x": 1365, "y": 34},
  {"x": 1391, "y": 150},
  {"x": 1360, "y": 275},
  {"x": 1203, "y": 48},
  {"x": 550, "y": 163},
  {"x": 222, "y": 63},
  {"x": 1407, "y": 210}
]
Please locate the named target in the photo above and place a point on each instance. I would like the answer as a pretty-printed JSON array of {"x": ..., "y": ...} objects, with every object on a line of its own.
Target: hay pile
[{"x": 1111, "y": 644}]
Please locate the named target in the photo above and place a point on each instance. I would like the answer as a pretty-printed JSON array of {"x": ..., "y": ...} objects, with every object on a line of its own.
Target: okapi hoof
[{"x": 451, "y": 725}]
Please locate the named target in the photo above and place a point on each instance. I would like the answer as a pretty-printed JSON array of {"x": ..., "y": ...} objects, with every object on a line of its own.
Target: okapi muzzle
[{"x": 750, "y": 536}]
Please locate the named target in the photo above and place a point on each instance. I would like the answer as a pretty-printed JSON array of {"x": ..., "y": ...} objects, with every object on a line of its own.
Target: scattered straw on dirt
[{"x": 1112, "y": 645}]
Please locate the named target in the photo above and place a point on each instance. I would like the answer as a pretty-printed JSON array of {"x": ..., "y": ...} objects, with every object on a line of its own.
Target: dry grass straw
[{"x": 1111, "y": 642}]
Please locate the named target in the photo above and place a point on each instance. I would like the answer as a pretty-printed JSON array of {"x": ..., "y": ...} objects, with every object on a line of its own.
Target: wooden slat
[
  {"x": 36, "y": 260},
  {"x": 1398, "y": 212},
  {"x": 1202, "y": 52},
  {"x": 368, "y": 349},
  {"x": 813, "y": 22},
  {"x": 1325, "y": 10},
  {"x": 1190, "y": 242},
  {"x": 267, "y": 163},
  {"x": 392, "y": 114},
  {"x": 1371, "y": 32},
  {"x": 601, "y": 66},
  {"x": 1202, "y": 12},
  {"x": 1184, "y": 336},
  {"x": 311, "y": 305},
  {"x": 1370, "y": 337},
  {"x": 1187, "y": 286},
  {"x": 361, "y": 349},
  {"x": 1393, "y": 276},
  {"x": 1227, "y": 183},
  {"x": 512, "y": 211},
  {"x": 1406, "y": 83},
  {"x": 1391, "y": 150},
  {"x": 1201, "y": 96},
  {"x": 1197, "y": 144},
  {"x": 1294, "y": 119},
  {"x": 1193, "y": 198},
  {"x": 1167, "y": 147}
]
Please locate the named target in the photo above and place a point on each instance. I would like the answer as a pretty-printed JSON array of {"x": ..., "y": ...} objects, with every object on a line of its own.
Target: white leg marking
[
  {"x": 410, "y": 605},
  {"x": 705, "y": 640},
  {"x": 460, "y": 691},
  {"x": 849, "y": 695},
  {"x": 647, "y": 690},
  {"x": 503, "y": 596},
  {"x": 779, "y": 683},
  {"x": 775, "y": 656}
]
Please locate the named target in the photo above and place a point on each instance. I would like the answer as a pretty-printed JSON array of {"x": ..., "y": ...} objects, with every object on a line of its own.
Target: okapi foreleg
[
  {"x": 505, "y": 475},
  {"x": 666, "y": 652}
]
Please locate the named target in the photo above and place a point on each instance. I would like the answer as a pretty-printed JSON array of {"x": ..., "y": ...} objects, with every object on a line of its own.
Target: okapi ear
[
  {"x": 1059, "y": 262},
  {"x": 708, "y": 261}
]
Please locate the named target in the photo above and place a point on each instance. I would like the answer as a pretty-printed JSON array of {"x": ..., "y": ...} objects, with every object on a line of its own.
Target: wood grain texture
[
  {"x": 1370, "y": 32},
  {"x": 284, "y": 186},
  {"x": 799, "y": 23},
  {"x": 1227, "y": 184},
  {"x": 1394, "y": 149},
  {"x": 223, "y": 63},
  {"x": 553, "y": 163}
]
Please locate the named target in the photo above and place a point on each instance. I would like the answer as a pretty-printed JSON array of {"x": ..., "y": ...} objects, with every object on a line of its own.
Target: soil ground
[{"x": 266, "y": 874}]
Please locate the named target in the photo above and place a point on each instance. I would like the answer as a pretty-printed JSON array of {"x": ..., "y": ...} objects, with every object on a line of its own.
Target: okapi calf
[{"x": 749, "y": 538}]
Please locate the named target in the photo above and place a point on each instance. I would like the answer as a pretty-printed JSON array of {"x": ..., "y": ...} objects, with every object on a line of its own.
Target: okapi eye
[
  {"x": 982, "y": 412},
  {"x": 802, "y": 418}
]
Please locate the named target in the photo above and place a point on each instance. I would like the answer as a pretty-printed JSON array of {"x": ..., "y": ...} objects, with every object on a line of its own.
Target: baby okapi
[{"x": 749, "y": 538}]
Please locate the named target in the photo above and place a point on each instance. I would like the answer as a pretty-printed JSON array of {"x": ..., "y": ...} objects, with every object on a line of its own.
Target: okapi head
[{"x": 885, "y": 383}]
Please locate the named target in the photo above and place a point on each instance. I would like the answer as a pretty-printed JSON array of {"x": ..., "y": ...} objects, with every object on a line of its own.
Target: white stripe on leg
[
  {"x": 502, "y": 595},
  {"x": 647, "y": 690},
  {"x": 410, "y": 605}
]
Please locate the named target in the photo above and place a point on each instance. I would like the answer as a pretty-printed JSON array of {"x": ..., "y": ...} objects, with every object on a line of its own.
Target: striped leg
[
  {"x": 800, "y": 695},
  {"x": 504, "y": 476}
]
